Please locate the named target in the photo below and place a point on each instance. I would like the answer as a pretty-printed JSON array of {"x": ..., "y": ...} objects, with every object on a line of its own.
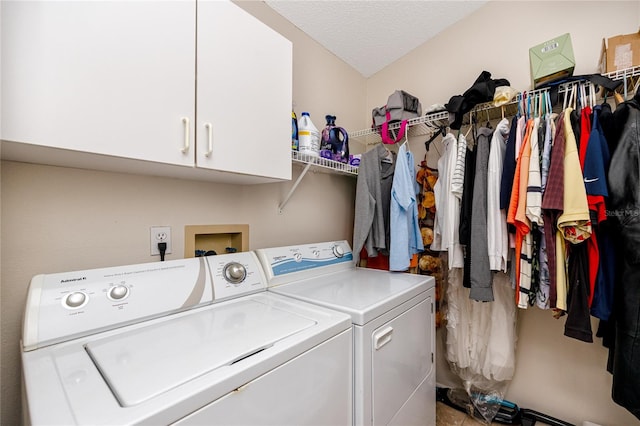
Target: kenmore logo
[{"x": 73, "y": 279}]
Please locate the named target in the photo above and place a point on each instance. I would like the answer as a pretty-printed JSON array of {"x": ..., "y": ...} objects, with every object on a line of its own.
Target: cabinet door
[
  {"x": 106, "y": 77},
  {"x": 244, "y": 93}
]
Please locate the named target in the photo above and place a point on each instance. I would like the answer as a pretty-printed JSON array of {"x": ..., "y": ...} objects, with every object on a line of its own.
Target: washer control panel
[
  {"x": 285, "y": 264},
  {"x": 235, "y": 275},
  {"x": 66, "y": 305}
]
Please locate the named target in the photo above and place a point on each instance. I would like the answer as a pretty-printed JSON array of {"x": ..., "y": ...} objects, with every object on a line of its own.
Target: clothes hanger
[
  {"x": 541, "y": 105},
  {"x": 636, "y": 86},
  {"x": 388, "y": 158},
  {"x": 471, "y": 121},
  {"x": 488, "y": 125},
  {"x": 441, "y": 131},
  {"x": 519, "y": 101},
  {"x": 583, "y": 96},
  {"x": 406, "y": 142},
  {"x": 549, "y": 106},
  {"x": 571, "y": 100}
]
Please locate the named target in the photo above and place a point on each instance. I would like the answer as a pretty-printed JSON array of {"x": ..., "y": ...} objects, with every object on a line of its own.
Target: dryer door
[{"x": 402, "y": 361}]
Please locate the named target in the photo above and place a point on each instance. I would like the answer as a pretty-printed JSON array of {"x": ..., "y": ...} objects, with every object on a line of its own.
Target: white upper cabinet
[
  {"x": 244, "y": 91},
  {"x": 119, "y": 78},
  {"x": 112, "y": 77}
]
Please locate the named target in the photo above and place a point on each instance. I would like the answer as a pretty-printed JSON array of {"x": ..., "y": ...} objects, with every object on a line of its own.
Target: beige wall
[
  {"x": 56, "y": 219},
  {"x": 555, "y": 374}
]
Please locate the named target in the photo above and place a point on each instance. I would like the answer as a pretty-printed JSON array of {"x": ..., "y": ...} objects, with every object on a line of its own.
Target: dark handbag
[{"x": 401, "y": 106}]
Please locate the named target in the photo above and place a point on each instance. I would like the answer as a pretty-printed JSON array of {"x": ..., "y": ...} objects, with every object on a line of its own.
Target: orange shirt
[{"x": 517, "y": 205}]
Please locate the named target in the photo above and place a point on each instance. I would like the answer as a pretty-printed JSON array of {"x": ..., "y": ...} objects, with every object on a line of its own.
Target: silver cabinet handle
[
  {"x": 185, "y": 146},
  {"x": 209, "y": 139}
]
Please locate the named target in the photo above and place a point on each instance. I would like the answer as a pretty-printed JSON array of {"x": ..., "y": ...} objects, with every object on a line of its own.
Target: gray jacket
[{"x": 373, "y": 197}]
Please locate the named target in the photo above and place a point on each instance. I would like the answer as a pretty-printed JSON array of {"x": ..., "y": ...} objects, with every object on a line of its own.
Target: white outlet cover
[{"x": 156, "y": 235}]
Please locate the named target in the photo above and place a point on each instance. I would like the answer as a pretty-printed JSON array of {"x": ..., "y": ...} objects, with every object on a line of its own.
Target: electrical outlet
[{"x": 160, "y": 234}]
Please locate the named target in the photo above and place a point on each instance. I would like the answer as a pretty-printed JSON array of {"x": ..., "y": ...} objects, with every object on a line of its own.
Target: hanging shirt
[
  {"x": 552, "y": 206},
  {"x": 508, "y": 166},
  {"x": 457, "y": 182},
  {"x": 406, "y": 239},
  {"x": 542, "y": 296},
  {"x": 595, "y": 166},
  {"x": 447, "y": 219},
  {"x": 578, "y": 323},
  {"x": 574, "y": 223},
  {"x": 510, "y": 161},
  {"x": 546, "y": 150},
  {"x": 497, "y": 234},
  {"x": 373, "y": 196},
  {"x": 534, "y": 185},
  {"x": 480, "y": 272},
  {"x": 517, "y": 217},
  {"x": 466, "y": 211},
  {"x": 592, "y": 250}
]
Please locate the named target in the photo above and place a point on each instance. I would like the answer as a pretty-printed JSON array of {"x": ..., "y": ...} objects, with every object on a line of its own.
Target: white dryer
[
  {"x": 194, "y": 341},
  {"x": 393, "y": 326}
]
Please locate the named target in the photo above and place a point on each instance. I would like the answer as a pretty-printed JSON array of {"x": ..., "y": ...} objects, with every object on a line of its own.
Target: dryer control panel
[
  {"x": 291, "y": 263},
  {"x": 67, "y": 305}
]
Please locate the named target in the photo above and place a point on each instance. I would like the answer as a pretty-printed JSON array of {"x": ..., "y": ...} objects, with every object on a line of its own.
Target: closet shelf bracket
[
  {"x": 316, "y": 164},
  {"x": 293, "y": 188}
]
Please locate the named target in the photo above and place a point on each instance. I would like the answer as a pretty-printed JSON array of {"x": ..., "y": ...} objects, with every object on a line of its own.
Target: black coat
[{"x": 624, "y": 211}]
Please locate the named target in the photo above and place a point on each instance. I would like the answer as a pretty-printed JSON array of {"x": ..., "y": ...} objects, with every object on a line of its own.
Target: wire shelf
[
  {"x": 423, "y": 125},
  {"x": 320, "y": 164},
  {"x": 430, "y": 123},
  {"x": 625, "y": 73}
]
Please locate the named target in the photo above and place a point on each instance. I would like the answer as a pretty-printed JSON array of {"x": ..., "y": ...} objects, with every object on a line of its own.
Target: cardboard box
[
  {"x": 552, "y": 60},
  {"x": 620, "y": 52}
]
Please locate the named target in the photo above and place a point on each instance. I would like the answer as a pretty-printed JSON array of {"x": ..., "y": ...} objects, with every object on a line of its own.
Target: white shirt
[
  {"x": 497, "y": 234},
  {"x": 447, "y": 221}
]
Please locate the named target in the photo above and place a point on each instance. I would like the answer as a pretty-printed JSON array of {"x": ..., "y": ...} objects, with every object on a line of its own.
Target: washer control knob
[
  {"x": 118, "y": 292},
  {"x": 338, "y": 251},
  {"x": 234, "y": 272},
  {"x": 75, "y": 299}
]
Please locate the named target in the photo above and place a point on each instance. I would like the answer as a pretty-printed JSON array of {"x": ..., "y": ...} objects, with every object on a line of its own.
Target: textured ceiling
[{"x": 371, "y": 34}]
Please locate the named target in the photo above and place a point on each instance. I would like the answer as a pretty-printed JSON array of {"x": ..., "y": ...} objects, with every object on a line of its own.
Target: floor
[{"x": 447, "y": 416}]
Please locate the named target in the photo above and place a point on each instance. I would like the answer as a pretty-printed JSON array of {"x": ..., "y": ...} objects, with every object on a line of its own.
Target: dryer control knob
[
  {"x": 118, "y": 292},
  {"x": 75, "y": 299},
  {"x": 234, "y": 272},
  {"x": 338, "y": 251}
]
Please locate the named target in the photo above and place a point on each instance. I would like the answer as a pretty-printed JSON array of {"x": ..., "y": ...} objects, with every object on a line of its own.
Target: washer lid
[
  {"x": 143, "y": 363},
  {"x": 362, "y": 293}
]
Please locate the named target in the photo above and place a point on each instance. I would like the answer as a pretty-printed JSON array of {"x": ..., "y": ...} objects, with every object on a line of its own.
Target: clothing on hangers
[
  {"x": 373, "y": 197},
  {"x": 544, "y": 281},
  {"x": 405, "y": 238},
  {"x": 446, "y": 233},
  {"x": 508, "y": 165},
  {"x": 516, "y": 216},
  {"x": 457, "y": 182},
  {"x": 497, "y": 234},
  {"x": 480, "y": 271}
]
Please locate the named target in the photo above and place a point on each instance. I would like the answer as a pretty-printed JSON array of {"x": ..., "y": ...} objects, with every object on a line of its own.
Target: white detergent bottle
[{"x": 308, "y": 136}]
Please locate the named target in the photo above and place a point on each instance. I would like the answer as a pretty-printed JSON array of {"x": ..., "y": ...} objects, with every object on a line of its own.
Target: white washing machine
[
  {"x": 194, "y": 341},
  {"x": 393, "y": 326}
]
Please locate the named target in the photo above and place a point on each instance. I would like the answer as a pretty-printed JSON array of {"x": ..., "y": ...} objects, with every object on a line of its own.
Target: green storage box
[{"x": 552, "y": 60}]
